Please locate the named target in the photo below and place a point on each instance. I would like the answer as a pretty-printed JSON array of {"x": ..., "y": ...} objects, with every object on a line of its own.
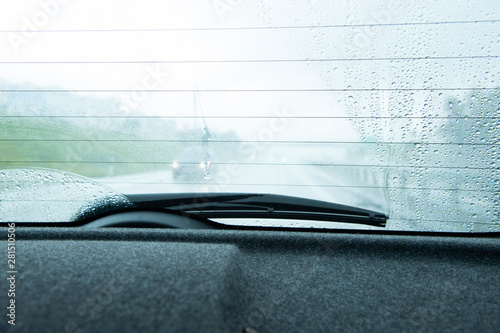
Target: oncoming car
[{"x": 193, "y": 163}]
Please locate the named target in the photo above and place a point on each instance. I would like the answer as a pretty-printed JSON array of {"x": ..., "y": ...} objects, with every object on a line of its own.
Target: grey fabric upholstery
[{"x": 166, "y": 280}]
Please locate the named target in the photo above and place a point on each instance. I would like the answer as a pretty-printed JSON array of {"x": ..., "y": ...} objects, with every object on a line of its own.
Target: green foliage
[
  {"x": 61, "y": 131},
  {"x": 38, "y": 142}
]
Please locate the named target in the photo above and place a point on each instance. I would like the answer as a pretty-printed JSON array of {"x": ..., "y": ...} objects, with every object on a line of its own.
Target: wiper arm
[{"x": 250, "y": 205}]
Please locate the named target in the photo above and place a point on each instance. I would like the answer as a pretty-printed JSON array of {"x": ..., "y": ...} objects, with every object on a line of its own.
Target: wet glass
[{"x": 387, "y": 105}]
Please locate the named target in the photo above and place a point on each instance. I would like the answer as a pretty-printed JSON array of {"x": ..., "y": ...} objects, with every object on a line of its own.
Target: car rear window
[{"x": 386, "y": 105}]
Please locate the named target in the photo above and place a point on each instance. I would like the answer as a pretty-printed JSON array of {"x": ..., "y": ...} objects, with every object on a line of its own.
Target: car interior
[{"x": 250, "y": 167}]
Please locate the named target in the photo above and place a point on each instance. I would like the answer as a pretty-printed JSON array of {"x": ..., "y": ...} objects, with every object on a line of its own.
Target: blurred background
[{"x": 388, "y": 105}]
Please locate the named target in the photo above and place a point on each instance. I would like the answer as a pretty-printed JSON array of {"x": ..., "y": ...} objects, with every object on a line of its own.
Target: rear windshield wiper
[{"x": 250, "y": 205}]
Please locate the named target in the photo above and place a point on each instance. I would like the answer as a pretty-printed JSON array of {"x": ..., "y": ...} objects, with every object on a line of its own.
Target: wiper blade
[{"x": 251, "y": 205}]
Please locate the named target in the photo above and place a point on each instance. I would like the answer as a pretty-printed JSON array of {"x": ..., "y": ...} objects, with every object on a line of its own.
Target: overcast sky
[{"x": 19, "y": 42}]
